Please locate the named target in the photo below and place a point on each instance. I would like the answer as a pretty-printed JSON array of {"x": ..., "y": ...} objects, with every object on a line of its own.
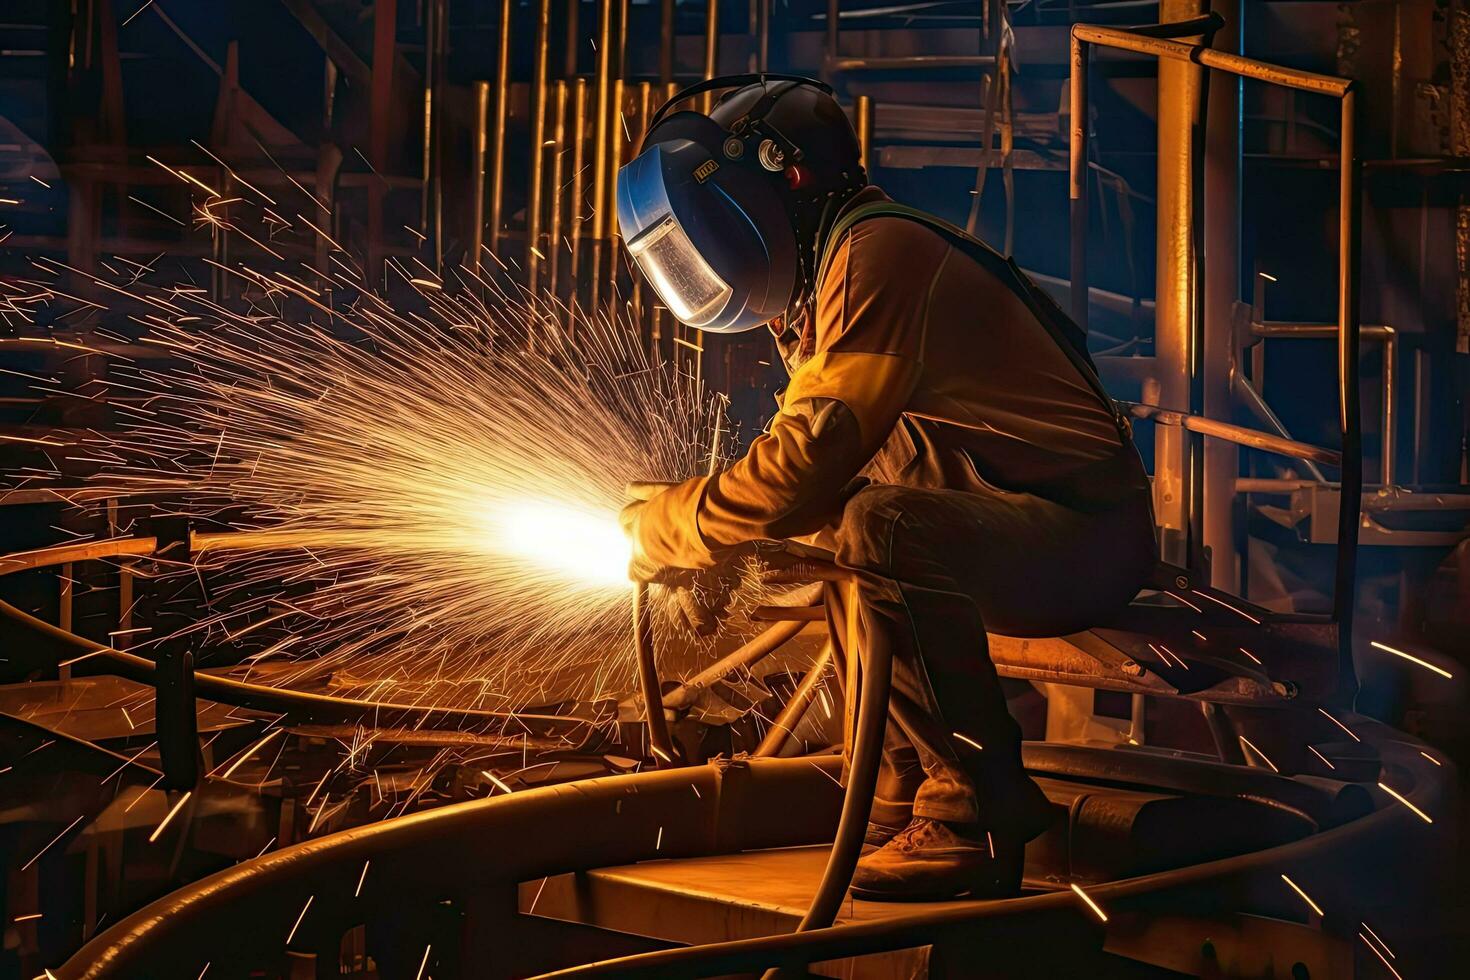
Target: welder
[{"x": 944, "y": 437}]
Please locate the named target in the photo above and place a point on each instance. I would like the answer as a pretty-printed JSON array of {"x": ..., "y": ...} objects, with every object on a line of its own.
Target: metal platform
[{"x": 1101, "y": 833}]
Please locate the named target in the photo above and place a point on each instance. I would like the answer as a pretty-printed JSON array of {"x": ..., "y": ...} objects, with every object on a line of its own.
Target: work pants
[{"x": 933, "y": 570}]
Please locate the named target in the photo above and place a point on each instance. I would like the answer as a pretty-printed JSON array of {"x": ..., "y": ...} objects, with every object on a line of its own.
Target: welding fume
[{"x": 944, "y": 440}]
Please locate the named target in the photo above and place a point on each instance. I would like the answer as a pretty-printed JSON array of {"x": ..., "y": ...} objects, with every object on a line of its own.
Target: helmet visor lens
[{"x": 691, "y": 290}]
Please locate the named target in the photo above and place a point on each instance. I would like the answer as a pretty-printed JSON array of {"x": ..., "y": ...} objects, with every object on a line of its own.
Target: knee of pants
[{"x": 865, "y": 535}]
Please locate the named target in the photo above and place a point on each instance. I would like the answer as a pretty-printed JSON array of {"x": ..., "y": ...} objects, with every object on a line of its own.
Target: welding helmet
[{"x": 720, "y": 211}]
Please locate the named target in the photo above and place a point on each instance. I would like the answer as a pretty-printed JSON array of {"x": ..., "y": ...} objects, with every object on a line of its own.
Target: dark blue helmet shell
[{"x": 732, "y": 215}]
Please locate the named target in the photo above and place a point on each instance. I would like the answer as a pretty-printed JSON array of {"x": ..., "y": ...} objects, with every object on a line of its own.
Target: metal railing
[{"x": 1348, "y": 330}]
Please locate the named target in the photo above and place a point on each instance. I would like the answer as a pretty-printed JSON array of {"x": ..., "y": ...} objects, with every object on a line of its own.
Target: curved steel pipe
[
  {"x": 648, "y": 683},
  {"x": 751, "y": 653},
  {"x": 247, "y": 908},
  {"x": 795, "y": 708}
]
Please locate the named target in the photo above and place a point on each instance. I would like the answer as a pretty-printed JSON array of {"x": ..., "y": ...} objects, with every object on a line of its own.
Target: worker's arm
[{"x": 838, "y": 410}]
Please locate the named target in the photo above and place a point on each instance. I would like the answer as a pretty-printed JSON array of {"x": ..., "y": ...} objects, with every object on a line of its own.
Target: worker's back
[{"x": 999, "y": 402}]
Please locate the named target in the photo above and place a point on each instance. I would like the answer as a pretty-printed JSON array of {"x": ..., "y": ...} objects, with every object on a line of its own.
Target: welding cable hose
[{"x": 862, "y": 782}]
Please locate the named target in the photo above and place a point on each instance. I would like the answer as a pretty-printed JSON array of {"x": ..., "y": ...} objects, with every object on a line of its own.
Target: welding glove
[{"x": 701, "y": 596}]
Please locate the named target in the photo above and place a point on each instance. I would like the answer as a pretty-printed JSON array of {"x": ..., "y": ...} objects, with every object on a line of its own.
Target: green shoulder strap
[{"x": 1067, "y": 334}]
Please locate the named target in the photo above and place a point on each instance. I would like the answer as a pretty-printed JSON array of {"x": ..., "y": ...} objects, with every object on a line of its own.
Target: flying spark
[
  {"x": 433, "y": 486},
  {"x": 1096, "y": 909},
  {"x": 1305, "y": 897},
  {"x": 1411, "y": 658},
  {"x": 1386, "y": 963},
  {"x": 1402, "y": 799},
  {"x": 169, "y": 816}
]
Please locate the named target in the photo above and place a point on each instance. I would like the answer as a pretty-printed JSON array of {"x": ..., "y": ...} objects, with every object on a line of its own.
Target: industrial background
[{"x": 1191, "y": 219}]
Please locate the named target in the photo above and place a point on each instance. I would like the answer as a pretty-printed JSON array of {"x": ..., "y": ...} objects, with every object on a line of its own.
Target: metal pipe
[
  {"x": 784, "y": 724},
  {"x": 1077, "y": 177},
  {"x": 833, "y": 18},
  {"x": 648, "y": 684},
  {"x": 644, "y": 103},
  {"x": 1176, "y": 346},
  {"x": 1221, "y": 288},
  {"x": 1389, "y": 441},
  {"x": 477, "y": 175},
  {"x": 751, "y": 653},
  {"x": 1350, "y": 242},
  {"x": 615, "y": 132},
  {"x": 711, "y": 49},
  {"x": 863, "y": 111},
  {"x": 1237, "y": 434},
  {"x": 502, "y": 108},
  {"x": 1169, "y": 50},
  {"x": 668, "y": 41},
  {"x": 1318, "y": 331},
  {"x": 577, "y": 190},
  {"x": 573, "y": 40},
  {"x": 762, "y": 35},
  {"x": 558, "y": 152},
  {"x": 436, "y": 177},
  {"x": 537, "y": 178},
  {"x": 385, "y": 49},
  {"x": 427, "y": 155},
  {"x": 754, "y": 650},
  {"x": 599, "y": 149}
]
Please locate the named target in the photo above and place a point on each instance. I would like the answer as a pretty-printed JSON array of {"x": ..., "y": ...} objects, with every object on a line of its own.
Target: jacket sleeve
[{"x": 837, "y": 412}]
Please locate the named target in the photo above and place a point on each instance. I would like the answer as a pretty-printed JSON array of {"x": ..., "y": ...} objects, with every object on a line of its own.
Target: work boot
[
  {"x": 886, "y": 821},
  {"x": 930, "y": 861}
]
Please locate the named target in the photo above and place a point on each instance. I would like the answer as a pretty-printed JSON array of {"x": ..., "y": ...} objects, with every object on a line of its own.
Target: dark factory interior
[{"x": 378, "y": 598}]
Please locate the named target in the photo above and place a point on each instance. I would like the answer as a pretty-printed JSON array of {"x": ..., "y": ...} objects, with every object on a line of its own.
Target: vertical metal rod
[
  {"x": 558, "y": 150},
  {"x": 1390, "y": 410},
  {"x": 617, "y": 129},
  {"x": 668, "y": 41},
  {"x": 497, "y": 131},
  {"x": 1221, "y": 274},
  {"x": 1350, "y": 243},
  {"x": 124, "y": 584},
  {"x": 644, "y": 103},
  {"x": 385, "y": 46},
  {"x": 538, "y": 139},
  {"x": 64, "y": 619},
  {"x": 1175, "y": 322},
  {"x": 1077, "y": 183},
  {"x": 432, "y": 13},
  {"x": 573, "y": 41},
  {"x": 477, "y": 176},
  {"x": 711, "y": 48},
  {"x": 762, "y": 35},
  {"x": 863, "y": 110},
  {"x": 648, "y": 683},
  {"x": 620, "y": 62},
  {"x": 599, "y": 149},
  {"x": 1423, "y": 411},
  {"x": 441, "y": 61},
  {"x": 577, "y": 192},
  {"x": 833, "y": 11}
]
